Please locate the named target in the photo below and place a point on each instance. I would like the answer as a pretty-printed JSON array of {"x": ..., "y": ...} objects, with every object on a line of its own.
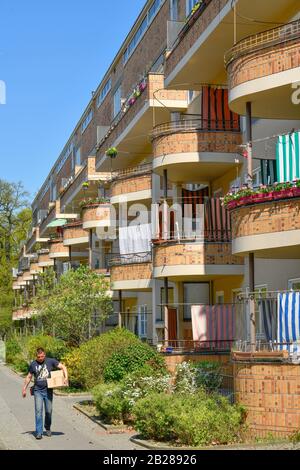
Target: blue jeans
[{"x": 43, "y": 397}]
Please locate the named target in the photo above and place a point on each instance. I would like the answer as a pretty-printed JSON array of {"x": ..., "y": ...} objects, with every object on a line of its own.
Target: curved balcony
[
  {"x": 21, "y": 281},
  {"x": 16, "y": 285},
  {"x": 131, "y": 272},
  {"x": 27, "y": 276},
  {"x": 35, "y": 268},
  {"x": 74, "y": 234},
  {"x": 58, "y": 250},
  {"x": 262, "y": 69},
  {"x": 96, "y": 215},
  {"x": 191, "y": 259},
  {"x": 134, "y": 184},
  {"x": 44, "y": 260},
  {"x": 22, "y": 313},
  {"x": 269, "y": 229},
  {"x": 195, "y": 150}
]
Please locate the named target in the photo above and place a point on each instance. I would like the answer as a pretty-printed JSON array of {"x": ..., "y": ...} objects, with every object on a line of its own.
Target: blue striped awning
[
  {"x": 288, "y": 318},
  {"x": 288, "y": 157}
]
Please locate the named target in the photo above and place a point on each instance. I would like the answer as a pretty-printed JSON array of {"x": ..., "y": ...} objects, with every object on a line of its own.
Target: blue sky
[{"x": 52, "y": 55}]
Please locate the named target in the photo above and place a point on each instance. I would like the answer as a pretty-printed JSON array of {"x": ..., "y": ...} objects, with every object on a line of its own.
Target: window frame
[
  {"x": 117, "y": 90},
  {"x": 87, "y": 120},
  {"x": 104, "y": 92}
]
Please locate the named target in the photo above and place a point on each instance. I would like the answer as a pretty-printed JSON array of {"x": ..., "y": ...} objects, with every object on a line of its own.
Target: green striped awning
[
  {"x": 288, "y": 157},
  {"x": 57, "y": 223}
]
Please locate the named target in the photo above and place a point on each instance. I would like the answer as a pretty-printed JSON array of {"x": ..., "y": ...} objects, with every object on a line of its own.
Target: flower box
[
  {"x": 283, "y": 194},
  {"x": 262, "y": 197},
  {"x": 131, "y": 101},
  {"x": 231, "y": 205},
  {"x": 296, "y": 191},
  {"x": 142, "y": 86},
  {"x": 245, "y": 200}
]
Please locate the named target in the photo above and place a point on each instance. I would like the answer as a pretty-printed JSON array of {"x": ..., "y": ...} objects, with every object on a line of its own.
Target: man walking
[{"x": 41, "y": 369}]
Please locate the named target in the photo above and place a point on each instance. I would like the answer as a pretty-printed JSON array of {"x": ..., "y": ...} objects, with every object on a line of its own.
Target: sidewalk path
[{"x": 71, "y": 430}]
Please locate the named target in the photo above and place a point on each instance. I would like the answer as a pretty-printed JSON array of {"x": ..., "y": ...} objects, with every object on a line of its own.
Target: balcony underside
[
  {"x": 192, "y": 55},
  {"x": 178, "y": 273},
  {"x": 76, "y": 241},
  {"x": 277, "y": 245},
  {"x": 271, "y": 96},
  {"x": 194, "y": 166}
]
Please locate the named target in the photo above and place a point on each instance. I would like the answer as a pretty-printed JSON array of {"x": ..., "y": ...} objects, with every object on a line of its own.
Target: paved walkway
[{"x": 71, "y": 430}]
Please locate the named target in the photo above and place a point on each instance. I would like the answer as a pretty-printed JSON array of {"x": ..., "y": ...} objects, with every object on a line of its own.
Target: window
[
  {"x": 153, "y": 10},
  {"x": 78, "y": 157},
  {"x": 194, "y": 294},
  {"x": 190, "y": 5},
  {"x": 142, "y": 321},
  {"x": 54, "y": 193},
  {"x": 142, "y": 28},
  {"x": 104, "y": 92},
  {"x": 65, "y": 155},
  {"x": 294, "y": 284},
  {"x": 117, "y": 101},
  {"x": 87, "y": 121},
  {"x": 174, "y": 10}
]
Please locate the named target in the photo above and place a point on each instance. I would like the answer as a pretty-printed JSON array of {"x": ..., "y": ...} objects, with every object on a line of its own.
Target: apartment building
[{"x": 177, "y": 118}]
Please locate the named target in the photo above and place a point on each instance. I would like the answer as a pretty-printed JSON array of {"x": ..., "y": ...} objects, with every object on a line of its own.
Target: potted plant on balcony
[
  {"x": 283, "y": 190},
  {"x": 131, "y": 101},
  {"x": 143, "y": 86},
  {"x": 244, "y": 196},
  {"x": 263, "y": 194},
  {"x": 112, "y": 152},
  {"x": 97, "y": 201},
  {"x": 85, "y": 185},
  {"x": 296, "y": 188},
  {"x": 137, "y": 92},
  {"x": 229, "y": 201}
]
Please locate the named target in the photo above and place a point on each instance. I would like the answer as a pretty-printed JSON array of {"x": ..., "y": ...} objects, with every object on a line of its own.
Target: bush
[
  {"x": 190, "y": 377},
  {"x": 15, "y": 354},
  {"x": 193, "y": 420},
  {"x": 155, "y": 417},
  {"x": 88, "y": 362},
  {"x": 110, "y": 403},
  {"x": 139, "y": 384},
  {"x": 131, "y": 359},
  {"x": 72, "y": 361},
  {"x": 54, "y": 347},
  {"x": 13, "y": 348}
]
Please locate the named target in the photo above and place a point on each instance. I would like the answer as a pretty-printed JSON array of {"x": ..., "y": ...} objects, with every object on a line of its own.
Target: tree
[
  {"x": 15, "y": 220},
  {"x": 75, "y": 306}
]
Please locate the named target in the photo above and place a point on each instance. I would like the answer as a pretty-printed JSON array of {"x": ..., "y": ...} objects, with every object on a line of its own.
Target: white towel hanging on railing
[{"x": 135, "y": 239}]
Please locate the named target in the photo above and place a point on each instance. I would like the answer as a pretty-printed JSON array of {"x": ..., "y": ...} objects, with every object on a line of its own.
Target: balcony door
[{"x": 194, "y": 293}]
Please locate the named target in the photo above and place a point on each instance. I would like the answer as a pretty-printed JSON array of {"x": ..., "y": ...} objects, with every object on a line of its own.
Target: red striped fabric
[
  {"x": 213, "y": 324},
  {"x": 216, "y": 114}
]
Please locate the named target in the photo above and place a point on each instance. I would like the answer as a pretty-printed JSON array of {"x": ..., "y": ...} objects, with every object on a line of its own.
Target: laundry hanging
[
  {"x": 288, "y": 319},
  {"x": 135, "y": 239},
  {"x": 268, "y": 314},
  {"x": 213, "y": 324},
  {"x": 288, "y": 157},
  {"x": 216, "y": 114}
]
